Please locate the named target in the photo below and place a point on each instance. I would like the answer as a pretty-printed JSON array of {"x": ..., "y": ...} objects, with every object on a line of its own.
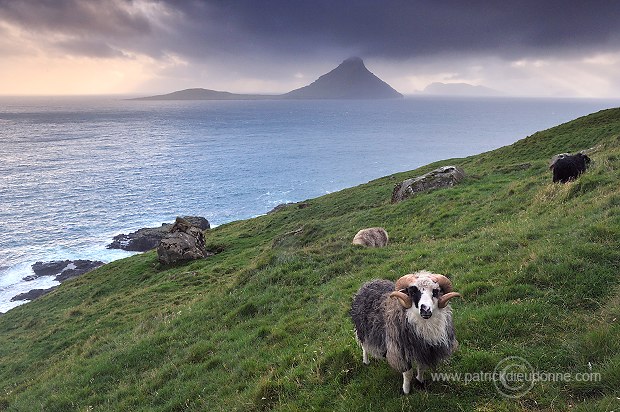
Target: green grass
[{"x": 264, "y": 324}]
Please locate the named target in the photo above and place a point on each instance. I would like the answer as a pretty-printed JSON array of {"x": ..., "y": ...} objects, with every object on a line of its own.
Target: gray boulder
[
  {"x": 445, "y": 176},
  {"x": 149, "y": 237},
  {"x": 183, "y": 242}
]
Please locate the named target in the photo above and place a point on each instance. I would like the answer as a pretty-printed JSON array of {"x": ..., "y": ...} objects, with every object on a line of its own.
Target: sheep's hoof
[{"x": 419, "y": 385}]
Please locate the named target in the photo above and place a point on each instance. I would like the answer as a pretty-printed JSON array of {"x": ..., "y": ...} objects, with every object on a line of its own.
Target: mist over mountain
[{"x": 350, "y": 80}]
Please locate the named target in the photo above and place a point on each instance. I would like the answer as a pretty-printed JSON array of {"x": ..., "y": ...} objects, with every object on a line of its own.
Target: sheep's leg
[
  {"x": 407, "y": 376},
  {"x": 365, "y": 356},
  {"x": 420, "y": 376}
]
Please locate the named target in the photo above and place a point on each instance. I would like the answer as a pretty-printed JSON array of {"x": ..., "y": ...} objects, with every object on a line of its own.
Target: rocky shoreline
[
  {"x": 141, "y": 240},
  {"x": 62, "y": 269}
]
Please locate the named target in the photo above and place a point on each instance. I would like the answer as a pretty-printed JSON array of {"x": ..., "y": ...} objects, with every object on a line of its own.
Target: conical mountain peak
[{"x": 350, "y": 80}]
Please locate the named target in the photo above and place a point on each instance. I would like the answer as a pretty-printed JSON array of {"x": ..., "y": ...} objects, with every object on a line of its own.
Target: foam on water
[
  {"x": 11, "y": 278},
  {"x": 11, "y": 284}
]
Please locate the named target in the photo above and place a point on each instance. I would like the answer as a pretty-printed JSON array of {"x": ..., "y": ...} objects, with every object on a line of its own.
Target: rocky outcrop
[
  {"x": 47, "y": 268},
  {"x": 141, "y": 240},
  {"x": 282, "y": 206},
  {"x": 183, "y": 242},
  {"x": 148, "y": 238},
  {"x": 32, "y": 294},
  {"x": 77, "y": 268},
  {"x": 445, "y": 176},
  {"x": 63, "y": 269}
]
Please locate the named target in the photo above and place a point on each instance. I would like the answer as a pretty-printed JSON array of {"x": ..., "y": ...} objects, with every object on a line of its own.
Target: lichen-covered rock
[
  {"x": 184, "y": 242},
  {"x": 445, "y": 176},
  {"x": 149, "y": 237}
]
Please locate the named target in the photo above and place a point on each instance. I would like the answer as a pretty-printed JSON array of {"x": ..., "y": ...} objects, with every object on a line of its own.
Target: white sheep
[{"x": 371, "y": 237}]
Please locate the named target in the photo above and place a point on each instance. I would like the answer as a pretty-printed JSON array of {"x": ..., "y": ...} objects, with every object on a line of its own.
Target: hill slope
[
  {"x": 350, "y": 80},
  {"x": 206, "y": 94},
  {"x": 459, "y": 89},
  {"x": 263, "y": 325}
]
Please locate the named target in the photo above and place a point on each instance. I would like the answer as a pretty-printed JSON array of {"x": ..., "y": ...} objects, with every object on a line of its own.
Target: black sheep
[{"x": 567, "y": 167}]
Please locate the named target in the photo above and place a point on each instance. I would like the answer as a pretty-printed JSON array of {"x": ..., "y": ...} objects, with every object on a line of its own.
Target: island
[
  {"x": 459, "y": 89},
  {"x": 350, "y": 80}
]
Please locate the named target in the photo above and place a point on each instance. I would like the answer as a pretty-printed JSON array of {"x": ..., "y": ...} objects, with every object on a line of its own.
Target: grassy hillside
[{"x": 263, "y": 325}]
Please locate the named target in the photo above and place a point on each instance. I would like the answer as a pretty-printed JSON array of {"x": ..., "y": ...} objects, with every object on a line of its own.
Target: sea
[{"x": 75, "y": 171}]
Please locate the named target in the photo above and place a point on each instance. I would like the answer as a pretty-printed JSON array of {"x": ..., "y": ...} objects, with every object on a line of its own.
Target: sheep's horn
[
  {"x": 442, "y": 302},
  {"x": 444, "y": 283},
  {"x": 405, "y": 281},
  {"x": 404, "y": 300}
]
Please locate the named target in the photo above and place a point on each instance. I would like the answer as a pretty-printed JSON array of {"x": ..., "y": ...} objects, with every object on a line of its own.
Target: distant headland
[
  {"x": 350, "y": 80},
  {"x": 460, "y": 89}
]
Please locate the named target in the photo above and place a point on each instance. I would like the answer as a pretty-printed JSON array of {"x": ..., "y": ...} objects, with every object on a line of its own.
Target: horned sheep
[
  {"x": 371, "y": 237},
  {"x": 408, "y": 322}
]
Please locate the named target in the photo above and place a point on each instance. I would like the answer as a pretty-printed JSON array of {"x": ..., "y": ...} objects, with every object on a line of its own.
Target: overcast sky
[{"x": 530, "y": 47}]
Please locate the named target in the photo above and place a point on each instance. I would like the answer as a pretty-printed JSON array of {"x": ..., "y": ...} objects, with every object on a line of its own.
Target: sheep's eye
[
  {"x": 435, "y": 293},
  {"x": 412, "y": 291}
]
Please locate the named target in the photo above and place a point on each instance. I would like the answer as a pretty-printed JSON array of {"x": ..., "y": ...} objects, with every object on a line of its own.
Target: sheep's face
[
  {"x": 424, "y": 294},
  {"x": 585, "y": 159},
  {"x": 427, "y": 291}
]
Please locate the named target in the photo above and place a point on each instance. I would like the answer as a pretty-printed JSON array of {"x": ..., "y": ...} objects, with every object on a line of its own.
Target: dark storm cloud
[
  {"x": 396, "y": 29},
  {"x": 406, "y": 28}
]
